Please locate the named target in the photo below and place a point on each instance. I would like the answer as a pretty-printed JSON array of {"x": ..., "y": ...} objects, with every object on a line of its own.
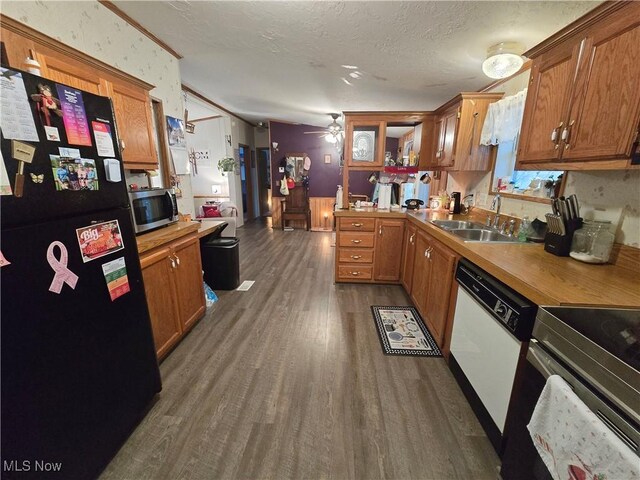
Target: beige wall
[{"x": 603, "y": 195}]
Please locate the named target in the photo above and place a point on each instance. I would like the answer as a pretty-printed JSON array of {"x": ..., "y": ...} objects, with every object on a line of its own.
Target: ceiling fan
[{"x": 334, "y": 132}]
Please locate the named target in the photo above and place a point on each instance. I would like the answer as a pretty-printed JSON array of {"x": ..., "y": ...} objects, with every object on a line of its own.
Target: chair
[{"x": 295, "y": 206}]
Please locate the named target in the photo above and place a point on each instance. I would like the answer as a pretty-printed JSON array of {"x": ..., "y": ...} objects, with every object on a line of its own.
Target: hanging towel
[
  {"x": 504, "y": 119},
  {"x": 573, "y": 442}
]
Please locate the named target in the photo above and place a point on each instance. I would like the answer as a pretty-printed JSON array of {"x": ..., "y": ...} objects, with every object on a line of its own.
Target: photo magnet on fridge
[{"x": 74, "y": 174}]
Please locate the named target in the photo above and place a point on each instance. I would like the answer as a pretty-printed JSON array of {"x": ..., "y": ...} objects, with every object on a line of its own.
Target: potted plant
[{"x": 226, "y": 164}]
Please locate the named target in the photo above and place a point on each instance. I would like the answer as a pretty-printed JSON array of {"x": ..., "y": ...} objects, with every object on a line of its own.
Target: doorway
[
  {"x": 246, "y": 157},
  {"x": 264, "y": 181}
]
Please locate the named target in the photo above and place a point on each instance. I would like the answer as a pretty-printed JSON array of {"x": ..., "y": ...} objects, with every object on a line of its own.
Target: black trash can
[{"x": 220, "y": 260}]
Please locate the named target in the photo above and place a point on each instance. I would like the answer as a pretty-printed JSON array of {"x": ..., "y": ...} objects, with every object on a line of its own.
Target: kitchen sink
[
  {"x": 483, "y": 235},
  {"x": 456, "y": 224}
]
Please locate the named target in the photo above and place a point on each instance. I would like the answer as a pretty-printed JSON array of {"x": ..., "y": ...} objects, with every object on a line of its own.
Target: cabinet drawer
[
  {"x": 355, "y": 255},
  {"x": 356, "y": 239},
  {"x": 357, "y": 224},
  {"x": 355, "y": 272}
]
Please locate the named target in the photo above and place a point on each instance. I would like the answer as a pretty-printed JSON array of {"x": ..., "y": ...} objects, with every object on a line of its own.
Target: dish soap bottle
[
  {"x": 524, "y": 229},
  {"x": 339, "y": 198}
]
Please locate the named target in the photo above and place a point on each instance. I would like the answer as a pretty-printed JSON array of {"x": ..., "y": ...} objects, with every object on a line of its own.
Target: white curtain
[{"x": 504, "y": 120}]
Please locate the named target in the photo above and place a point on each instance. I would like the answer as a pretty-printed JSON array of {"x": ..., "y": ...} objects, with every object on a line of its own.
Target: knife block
[{"x": 560, "y": 245}]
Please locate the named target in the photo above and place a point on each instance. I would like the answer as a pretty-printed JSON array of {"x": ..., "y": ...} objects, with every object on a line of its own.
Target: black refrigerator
[{"x": 79, "y": 369}]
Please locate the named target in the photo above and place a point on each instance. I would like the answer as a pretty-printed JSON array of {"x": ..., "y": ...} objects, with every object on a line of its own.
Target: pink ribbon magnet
[{"x": 63, "y": 274}]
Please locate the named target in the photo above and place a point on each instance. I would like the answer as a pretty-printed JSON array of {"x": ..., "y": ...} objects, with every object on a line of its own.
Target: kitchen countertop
[
  {"x": 156, "y": 238},
  {"x": 527, "y": 268}
]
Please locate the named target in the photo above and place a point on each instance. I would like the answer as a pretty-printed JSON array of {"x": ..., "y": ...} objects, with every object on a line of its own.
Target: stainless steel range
[{"x": 597, "y": 352}]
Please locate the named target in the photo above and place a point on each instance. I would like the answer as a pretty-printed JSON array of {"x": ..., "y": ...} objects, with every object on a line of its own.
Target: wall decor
[{"x": 175, "y": 133}]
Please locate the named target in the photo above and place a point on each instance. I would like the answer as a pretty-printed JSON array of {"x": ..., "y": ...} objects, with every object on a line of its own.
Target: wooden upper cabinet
[
  {"x": 583, "y": 104},
  {"x": 450, "y": 127},
  {"x": 458, "y": 133},
  {"x": 63, "y": 64},
  {"x": 603, "y": 121},
  {"x": 132, "y": 107},
  {"x": 59, "y": 68},
  {"x": 547, "y": 104}
]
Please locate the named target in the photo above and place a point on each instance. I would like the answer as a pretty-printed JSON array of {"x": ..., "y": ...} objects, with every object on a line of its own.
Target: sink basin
[
  {"x": 482, "y": 235},
  {"x": 456, "y": 224}
]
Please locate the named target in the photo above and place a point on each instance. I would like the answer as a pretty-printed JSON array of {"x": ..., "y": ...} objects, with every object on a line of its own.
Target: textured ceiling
[{"x": 284, "y": 60}]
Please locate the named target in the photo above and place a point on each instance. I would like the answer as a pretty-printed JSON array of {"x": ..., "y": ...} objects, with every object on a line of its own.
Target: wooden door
[
  {"x": 442, "y": 262},
  {"x": 450, "y": 125},
  {"x": 388, "y": 249},
  {"x": 188, "y": 280},
  {"x": 421, "y": 271},
  {"x": 157, "y": 274},
  {"x": 547, "y": 106},
  {"x": 135, "y": 132},
  {"x": 606, "y": 109},
  {"x": 408, "y": 257}
]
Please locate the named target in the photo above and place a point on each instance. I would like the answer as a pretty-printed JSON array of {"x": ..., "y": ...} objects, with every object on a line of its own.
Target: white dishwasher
[{"x": 490, "y": 325}]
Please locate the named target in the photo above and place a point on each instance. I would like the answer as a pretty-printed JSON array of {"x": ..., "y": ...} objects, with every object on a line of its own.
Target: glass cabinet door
[{"x": 364, "y": 143}]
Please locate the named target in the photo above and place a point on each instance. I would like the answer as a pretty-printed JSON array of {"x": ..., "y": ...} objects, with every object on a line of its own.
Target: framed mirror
[{"x": 295, "y": 165}]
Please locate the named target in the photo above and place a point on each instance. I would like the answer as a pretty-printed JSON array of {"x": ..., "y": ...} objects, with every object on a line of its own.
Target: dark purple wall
[{"x": 324, "y": 178}]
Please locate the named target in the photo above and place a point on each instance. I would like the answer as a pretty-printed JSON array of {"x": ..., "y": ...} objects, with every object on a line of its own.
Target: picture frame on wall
[{"x": 327, "y": 158}]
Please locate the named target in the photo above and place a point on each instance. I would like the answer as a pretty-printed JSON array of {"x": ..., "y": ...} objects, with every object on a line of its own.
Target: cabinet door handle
[
  {"x": 122, "y": 145},
  {"x": 356, "y": 225},
  {"x": 356, "y": 257},
  {"x": 355, "y": 274},
  {"x": 555, "y": 138},
  {"x": 356, "y": 241},
  {"x": 177, "y": 259},
  {"x": 411, "y": 238},
  {"x": 173, "y": 262},
  {"x": 380, "y": 230},
  {"x": 566, "y": 133}
]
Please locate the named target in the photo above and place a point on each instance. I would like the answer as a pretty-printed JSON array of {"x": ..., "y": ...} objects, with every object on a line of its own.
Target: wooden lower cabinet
[
  {"x": 408, "y": 257},
  {"x": 388, "y": 250},
  {"x": 432, "y": 284},
  {"x": 172, "y": 277},
  {"x": 368, "y": 249}
]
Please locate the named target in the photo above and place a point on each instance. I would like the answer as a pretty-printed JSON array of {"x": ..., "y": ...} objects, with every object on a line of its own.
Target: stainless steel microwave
[{"x": 153, "y": 208}]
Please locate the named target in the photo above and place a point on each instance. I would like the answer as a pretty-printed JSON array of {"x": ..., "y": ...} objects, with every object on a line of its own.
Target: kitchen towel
[{"x": 573, "y": 442}]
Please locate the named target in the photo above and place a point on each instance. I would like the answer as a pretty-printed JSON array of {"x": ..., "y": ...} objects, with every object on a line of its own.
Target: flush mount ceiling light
[{"x": 503, "y": 60}]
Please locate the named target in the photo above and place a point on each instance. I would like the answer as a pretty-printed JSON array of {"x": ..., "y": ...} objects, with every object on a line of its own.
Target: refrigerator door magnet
[
  {"x": 74, "y": 116},
  {"x": 98, "y": 240},
  {"x": 17, "y": 119},
  {"x": 53, "y": 135},
  {"x": 5, "y": 183},
  {"x": 115, "y": 273},
  {"x": 104, "y": 140},
  {"x": 62, "y": 273},
  {"x": 46, "y": 103},
  {"x": 3, "y": 261},
  {"x": 23, "y": 153}
]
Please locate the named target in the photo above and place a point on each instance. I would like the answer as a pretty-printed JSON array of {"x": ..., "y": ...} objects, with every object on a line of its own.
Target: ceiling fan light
[
  {"x": 503, "y": 60},
  {"x": 330, "y": 138}
]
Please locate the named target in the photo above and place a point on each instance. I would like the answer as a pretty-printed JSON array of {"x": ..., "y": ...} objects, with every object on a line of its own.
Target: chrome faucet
[{"x": 497, "y": 203}]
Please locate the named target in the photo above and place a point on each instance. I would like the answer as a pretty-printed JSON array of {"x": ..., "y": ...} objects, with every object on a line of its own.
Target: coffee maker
[{"x": 454, "y": 203}]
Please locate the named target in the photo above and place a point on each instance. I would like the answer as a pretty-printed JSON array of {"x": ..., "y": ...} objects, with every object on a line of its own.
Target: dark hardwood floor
[{"x": 288, "y": 380}]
